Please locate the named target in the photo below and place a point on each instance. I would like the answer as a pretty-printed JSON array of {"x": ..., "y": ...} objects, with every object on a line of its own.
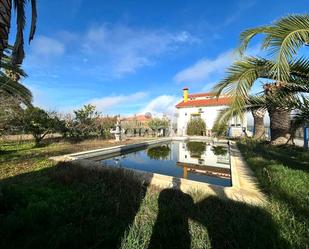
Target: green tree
[
  {"x": 84, "y": 122},
  {"x": 156, "y": 124},
  {"x": 257, "y": 105},
  {"x": 196, "y": 127},
  {"x": 104, "y": 124},
  {"x": 6, "y": 7},
  {"x": 39, "y": 123},
  {"x": 86, "y": 114}
]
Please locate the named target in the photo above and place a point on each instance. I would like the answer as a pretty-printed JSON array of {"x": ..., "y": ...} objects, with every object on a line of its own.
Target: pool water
[{"x": 193, "y": 160}]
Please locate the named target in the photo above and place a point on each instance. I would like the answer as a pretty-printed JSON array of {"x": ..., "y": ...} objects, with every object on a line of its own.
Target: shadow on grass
[
  {"x": 290, "y": 156},
  {"x": 283, "y": 172},
  {"x": 68, "y": 207},
  {"x": 229, "y": 224},
  {"x": 72, "y": 207}
]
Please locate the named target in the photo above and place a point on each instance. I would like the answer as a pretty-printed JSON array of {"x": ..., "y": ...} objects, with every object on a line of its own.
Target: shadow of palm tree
[{"x": 285, "y": 156}]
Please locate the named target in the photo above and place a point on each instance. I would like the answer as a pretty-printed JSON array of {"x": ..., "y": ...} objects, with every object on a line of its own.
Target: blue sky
[{"x": 135, "y": 56}]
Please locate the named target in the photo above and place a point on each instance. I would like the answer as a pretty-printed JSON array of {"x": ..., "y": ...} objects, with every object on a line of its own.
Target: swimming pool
[{"x": 194, "y": 160}]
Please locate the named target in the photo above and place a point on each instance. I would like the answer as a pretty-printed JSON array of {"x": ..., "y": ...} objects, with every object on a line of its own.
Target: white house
[{"x": 207, "y": 107}]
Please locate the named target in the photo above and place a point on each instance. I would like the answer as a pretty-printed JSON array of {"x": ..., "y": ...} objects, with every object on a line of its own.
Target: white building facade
[{"x": 205, "y": 106}]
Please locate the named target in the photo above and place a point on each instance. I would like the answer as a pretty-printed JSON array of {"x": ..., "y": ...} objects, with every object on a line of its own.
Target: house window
[{"x": 195, "y": 116}]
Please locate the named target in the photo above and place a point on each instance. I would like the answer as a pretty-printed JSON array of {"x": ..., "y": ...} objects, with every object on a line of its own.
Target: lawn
[
  {"x": 44, "y": 205},
  {"x": 283, "y": 173}
]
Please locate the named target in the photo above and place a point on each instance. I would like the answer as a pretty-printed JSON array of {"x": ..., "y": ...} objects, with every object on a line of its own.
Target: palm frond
[
  {"x": 14, "y": 68},
  {"x": 251, "y": 103},
  {"x": 18, "y": 53},
  {"x": 247, "y": 35},
  {"x": 5, "y": 23},
  {"x": 33, "y": 20},
  {"x": 240, "y": 77},
  {"x": 16, "y": 89},
  {"x": 288, "y": 35},
  {"x": 282, "y": 40},
  {"x": 243, "y": 73},
  {"x": 9, "y": 80},
  {"x": 300, "y": 68}
]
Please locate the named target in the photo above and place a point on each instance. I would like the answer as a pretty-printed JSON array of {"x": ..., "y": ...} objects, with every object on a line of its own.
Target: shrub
[{"x": 196, "y": 127}]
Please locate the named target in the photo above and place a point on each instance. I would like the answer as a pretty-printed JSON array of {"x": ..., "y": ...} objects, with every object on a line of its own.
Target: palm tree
[
  {"x": 301, "y": 116},
  {"x": 258, "y": 115},
  {"x": 6, "y": 7},
  {"x": 256, "y": 105},
  {"x": 282, "y": 39},
  {"x": 241, "y": 76},
  {"x": 9, "y": 81}
]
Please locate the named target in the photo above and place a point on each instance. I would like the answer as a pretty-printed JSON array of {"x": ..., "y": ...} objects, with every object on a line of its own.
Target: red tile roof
[
  {"x": 140, "y": 118},
  {"x": 196, "y": 95},
  {"x": 205, "y": 102}
]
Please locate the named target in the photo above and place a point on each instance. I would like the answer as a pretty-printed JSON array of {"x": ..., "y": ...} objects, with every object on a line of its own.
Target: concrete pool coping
[{"x": 244, "y": 185}]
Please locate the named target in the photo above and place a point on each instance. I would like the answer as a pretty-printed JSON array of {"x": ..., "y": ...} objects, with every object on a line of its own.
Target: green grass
[
  {"x": 283, "y": 173},
  {"x": 43, "y": 205}
]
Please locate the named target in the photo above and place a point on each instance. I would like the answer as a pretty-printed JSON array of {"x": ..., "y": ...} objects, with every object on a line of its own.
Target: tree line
[{"x": 83, "y": 123}]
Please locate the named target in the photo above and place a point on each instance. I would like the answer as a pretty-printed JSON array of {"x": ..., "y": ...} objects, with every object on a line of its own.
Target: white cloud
[
  {"x": 44, "y": 49},
  {"x": 164, "y": 104},
  {"x": 109, "y": 50},
  {"x": 46, "y": 46},
  {"x": 106, "y": 103},
  {"x": 203, "y": 69},
  {"x": 129, "y": 49}
]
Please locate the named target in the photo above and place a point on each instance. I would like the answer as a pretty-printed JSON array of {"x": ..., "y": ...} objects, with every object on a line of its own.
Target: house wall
[{"x": 208, "y": 114}]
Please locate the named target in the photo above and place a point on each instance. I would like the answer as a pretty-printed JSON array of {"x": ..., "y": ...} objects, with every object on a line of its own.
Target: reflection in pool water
[
  {"x": 193, "y": 160},
  {"x": 219, "y": 150},
  {"x": 160, "y": 152}
]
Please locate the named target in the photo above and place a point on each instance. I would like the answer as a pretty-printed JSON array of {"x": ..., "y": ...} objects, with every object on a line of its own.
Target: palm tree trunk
[
  {"x": 280, "y": 124},
  {"x": 258, "y": 118},
  {"x": 5, "y": 19}
]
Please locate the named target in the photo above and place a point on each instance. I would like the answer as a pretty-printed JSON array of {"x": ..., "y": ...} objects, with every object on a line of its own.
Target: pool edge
[{"x": 244, "y": 185}]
